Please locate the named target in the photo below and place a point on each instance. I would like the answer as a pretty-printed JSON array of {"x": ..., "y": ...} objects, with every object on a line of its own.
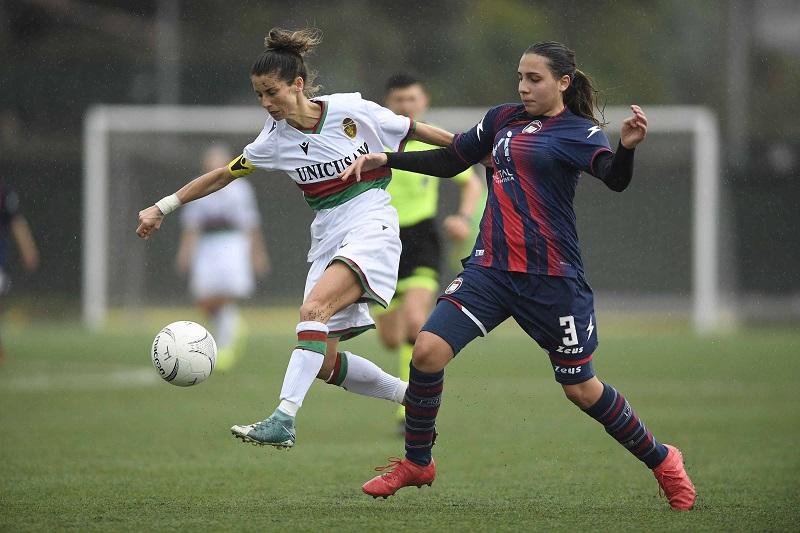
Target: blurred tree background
[{"x": 738, "y": 57}]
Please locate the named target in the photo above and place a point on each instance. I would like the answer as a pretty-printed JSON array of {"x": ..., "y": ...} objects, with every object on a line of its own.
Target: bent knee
[
  {"x": 315, "y": 310},
  {"x": 584, "y": 395},
  {"x": 431, "y": 353}
]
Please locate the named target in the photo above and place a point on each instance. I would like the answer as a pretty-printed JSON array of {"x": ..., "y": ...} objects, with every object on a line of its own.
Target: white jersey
[
  {"x": 221, "y": 262},
  {"x": 232, "y": 208},
  {"x": 349, "y": 126}
]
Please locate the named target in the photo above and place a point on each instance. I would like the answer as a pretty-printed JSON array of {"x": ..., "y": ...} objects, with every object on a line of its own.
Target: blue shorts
[{"x": 556, "y": 312}]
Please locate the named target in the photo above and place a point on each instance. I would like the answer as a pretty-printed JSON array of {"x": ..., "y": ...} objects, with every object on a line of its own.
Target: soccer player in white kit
[
  {"x": 222, "y": 250},
  {"x": 355, "y": 247}
]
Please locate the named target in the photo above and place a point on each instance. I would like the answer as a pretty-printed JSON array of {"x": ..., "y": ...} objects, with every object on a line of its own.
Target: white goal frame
[{"x": 101, "y": 121}]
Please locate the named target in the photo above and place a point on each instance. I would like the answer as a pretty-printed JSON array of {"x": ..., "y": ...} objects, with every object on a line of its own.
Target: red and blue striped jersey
[{"x": 529, "y": 221}]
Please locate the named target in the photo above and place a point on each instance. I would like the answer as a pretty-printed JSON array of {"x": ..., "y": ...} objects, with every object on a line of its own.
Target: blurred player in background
[
  {"x": 222, "y": 249},
  {"x": 355, "y": 243},
  {"x": 527, "y": 263},
  {"x": 416, "y": 196},
  {"x": 13, "y": 224}
]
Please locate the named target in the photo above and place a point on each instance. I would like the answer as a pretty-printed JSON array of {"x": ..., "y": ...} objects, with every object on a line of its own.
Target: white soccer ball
[{"x": 184, "y": 353}]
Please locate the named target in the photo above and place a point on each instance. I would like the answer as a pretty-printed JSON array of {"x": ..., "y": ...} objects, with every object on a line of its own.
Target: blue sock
[
  {"x": 423, "y": 396},
  {"x": 615, "y": 413}
]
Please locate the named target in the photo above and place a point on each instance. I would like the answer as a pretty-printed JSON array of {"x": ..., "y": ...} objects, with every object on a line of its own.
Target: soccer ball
[{"x": 184, "y": 353}]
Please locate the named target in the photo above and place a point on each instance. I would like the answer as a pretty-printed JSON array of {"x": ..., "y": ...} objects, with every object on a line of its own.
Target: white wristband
[{"x": 168, "y": 204}]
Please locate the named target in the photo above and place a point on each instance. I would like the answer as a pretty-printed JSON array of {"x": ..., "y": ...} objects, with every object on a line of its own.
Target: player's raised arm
[
  {"x": 150, "y": 219},
  {"x": 616, "y": 170}
]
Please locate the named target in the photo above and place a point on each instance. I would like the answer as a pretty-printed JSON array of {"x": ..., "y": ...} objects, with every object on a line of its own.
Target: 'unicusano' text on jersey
[{"x": 348, "y": 127}]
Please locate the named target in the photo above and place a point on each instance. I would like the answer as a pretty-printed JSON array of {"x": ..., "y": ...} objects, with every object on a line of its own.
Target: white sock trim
[
  {"x": 311, "y": 325},
  {"x": 288, "y": 407}
]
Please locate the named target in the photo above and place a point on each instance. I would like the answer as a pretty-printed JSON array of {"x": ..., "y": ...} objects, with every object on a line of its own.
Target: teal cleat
[{"x": 277, "y": 430}]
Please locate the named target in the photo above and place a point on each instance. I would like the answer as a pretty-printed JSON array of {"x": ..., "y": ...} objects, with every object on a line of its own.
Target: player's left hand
[
  {"x": 634, "y": 129},
  {"x": 457, "y": 227}
]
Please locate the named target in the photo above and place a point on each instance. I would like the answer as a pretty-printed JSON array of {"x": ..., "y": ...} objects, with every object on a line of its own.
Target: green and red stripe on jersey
[{"x": 334, "y": 192}]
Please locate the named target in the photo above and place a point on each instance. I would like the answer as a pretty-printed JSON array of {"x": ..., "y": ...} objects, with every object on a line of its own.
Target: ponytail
[
  {"x": 580, "y": 96},
  {"x": 283, "y": 56}
]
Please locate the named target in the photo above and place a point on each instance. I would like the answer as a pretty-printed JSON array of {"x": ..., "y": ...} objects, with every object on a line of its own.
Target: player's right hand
[
  {"x": 364, "y": 163},
  {"x": 150, "y": 220}
]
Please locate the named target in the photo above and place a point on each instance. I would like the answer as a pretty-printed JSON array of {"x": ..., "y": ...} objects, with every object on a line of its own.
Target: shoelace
[{"x": 394, "y": 463}]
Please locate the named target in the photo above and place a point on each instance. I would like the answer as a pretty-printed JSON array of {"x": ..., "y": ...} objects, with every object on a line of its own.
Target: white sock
[
  {"x": 366, "y": 378},
  {"x": 226, "y": 320},
  {"x": 304, "y": 365}
]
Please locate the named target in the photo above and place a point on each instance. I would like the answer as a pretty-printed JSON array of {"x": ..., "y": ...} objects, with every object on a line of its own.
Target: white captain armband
[{"x": 240, "y": 167}]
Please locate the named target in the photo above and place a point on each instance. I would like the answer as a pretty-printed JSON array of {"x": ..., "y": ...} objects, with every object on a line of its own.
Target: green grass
[{"x": 81, "y": 450}]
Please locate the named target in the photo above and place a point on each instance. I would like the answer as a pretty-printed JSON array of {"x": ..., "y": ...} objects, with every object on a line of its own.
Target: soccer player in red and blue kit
[{"x": 526, "y": 263}]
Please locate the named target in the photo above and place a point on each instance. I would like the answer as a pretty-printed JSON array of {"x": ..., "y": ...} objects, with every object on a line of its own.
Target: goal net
[{"x": 654, "y": 248}]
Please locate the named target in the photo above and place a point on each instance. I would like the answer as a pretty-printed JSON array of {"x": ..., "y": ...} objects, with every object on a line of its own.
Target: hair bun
[{"x": 298, "y": 42}]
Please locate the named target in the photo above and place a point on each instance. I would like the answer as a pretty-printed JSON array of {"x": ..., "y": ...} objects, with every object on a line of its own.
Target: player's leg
[
  {"x": 471, "y": 306},
  {"x": 336, "y": 289},
  {"x": 418, "y": 283},
  {"x": 563, "y": 324},
  {"x": 418, "y": 301},
  {"x": 224, "y": 315},
  {"x": 220, "y": 273},
  {"x": 390, "y": 326},
  {"x": 359, "y": 375},
  {"x": 371, "y": 254}
]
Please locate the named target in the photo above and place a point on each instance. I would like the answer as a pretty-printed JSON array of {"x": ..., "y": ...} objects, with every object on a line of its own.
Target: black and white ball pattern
[{"x": 184, "y": 353}]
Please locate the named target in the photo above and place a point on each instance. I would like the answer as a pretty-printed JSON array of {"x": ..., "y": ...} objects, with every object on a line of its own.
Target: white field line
[{"x": 87, "y": 381}]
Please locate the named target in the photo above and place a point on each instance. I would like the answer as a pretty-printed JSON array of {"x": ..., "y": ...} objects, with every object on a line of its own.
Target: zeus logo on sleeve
[{"x": 240, "y": 167}]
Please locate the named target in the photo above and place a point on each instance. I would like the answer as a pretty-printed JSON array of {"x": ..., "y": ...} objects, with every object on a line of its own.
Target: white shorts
[
  {"x": 221, "y": 266},
  {"x": 372, "y": 251}
]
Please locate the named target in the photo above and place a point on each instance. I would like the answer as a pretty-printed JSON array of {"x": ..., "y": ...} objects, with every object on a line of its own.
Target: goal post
[{"x": 104, "y": 121}]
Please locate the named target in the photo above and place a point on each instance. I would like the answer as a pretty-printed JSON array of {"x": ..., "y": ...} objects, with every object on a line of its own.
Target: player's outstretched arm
[
  {"x": 432, "y": 135},
  {"x": 150, "y": 219},
  {"x": 442, "y": 163}
]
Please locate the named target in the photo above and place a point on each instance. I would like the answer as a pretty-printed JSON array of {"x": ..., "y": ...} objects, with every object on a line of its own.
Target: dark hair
[
  {"x": 580, "y": 96},
  {"x": 401, "y": 81},
  {"x": 283, "y": 56}
]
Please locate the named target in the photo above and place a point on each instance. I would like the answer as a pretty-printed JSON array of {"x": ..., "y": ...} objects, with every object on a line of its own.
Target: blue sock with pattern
[
  {"x": 423, "y": 397},
  {"x": 618, "y": 417}
]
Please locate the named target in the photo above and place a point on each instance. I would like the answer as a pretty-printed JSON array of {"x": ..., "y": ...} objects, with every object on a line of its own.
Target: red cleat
[
  {"x": 404, "y": 473},
  {"x": 674, "y": 481}
]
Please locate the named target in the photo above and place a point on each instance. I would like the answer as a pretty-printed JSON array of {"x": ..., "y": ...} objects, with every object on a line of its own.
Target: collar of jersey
[
  {"x": 318, "y": 126},
  {"x": 545, "y": 117}
]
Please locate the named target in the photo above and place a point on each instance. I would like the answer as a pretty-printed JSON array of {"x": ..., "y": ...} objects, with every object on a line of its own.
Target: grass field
[{"x": 90, "y": 439}]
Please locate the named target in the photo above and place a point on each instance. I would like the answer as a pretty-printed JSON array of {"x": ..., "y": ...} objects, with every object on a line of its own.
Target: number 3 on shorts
[{"x": 572, "y": 334}]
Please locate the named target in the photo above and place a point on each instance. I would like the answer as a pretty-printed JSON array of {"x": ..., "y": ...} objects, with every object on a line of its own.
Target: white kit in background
[{"x": 221, "y": 263}]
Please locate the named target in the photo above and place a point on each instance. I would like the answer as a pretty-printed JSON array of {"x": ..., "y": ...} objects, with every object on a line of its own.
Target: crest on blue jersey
[
  {"x": 533, "y": 127},
  {"x": 454, "y": 286}
]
